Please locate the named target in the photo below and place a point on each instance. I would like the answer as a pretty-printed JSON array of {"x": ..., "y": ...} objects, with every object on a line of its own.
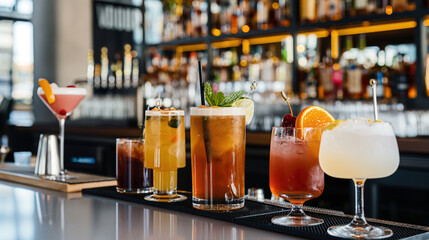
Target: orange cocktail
[
  {"x": 218, "y": 137},
  {"x": 165, "y": 152}
]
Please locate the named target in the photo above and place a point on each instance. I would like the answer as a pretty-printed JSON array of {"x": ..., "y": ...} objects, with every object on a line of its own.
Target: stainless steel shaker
[{"x": 47, "y": 160}]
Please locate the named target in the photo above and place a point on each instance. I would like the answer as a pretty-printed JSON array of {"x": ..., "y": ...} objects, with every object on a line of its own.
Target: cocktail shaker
[{"x": 47, "y": 160}]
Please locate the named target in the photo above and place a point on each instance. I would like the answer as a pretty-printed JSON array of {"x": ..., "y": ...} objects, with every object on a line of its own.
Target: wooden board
[{"x": 25, "y": 175}]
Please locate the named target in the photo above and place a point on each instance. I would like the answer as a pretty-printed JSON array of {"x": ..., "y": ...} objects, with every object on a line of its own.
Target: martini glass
[{"x": 66, "y": 100}]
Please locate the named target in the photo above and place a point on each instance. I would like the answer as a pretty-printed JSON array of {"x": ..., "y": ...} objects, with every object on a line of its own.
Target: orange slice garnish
[
  {"x": 313, "y": 117},
  {"x": 44, "y": 84}
]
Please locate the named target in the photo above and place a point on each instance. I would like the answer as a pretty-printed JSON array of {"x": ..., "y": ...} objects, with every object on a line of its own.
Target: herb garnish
[
  {"x": 219, "y": 99},
  {"x": 174, "y": 122}
]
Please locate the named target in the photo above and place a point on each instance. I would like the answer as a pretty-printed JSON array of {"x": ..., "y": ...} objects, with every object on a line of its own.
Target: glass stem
[
  {"x": 296, "y": 210},
  {"x": 359, "y": 218},
  {"x": 62, "y": 124}
]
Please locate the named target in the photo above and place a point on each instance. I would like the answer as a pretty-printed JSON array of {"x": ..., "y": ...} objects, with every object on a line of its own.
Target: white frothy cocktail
[{"x": 359, "y": 149}]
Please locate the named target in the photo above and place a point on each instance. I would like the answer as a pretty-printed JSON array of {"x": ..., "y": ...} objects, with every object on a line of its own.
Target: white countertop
[{"x": 35, "y": 213}]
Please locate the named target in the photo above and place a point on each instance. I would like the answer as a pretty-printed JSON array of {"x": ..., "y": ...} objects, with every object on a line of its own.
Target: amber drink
[
  {"x": 218, "y": 138},
  {"x": 165, "y": 152},
  {"x": 131, "y": 175}
]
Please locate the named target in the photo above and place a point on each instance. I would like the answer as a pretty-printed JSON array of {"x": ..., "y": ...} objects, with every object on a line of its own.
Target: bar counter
[{"x": 35, "y": 213}]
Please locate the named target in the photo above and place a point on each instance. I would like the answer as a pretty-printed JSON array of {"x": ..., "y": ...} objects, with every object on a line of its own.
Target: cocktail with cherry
[{"x": 295, "y": 174}]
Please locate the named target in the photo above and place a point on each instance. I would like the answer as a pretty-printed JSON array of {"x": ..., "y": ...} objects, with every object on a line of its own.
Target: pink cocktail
[{"x": 66, "y": 100}]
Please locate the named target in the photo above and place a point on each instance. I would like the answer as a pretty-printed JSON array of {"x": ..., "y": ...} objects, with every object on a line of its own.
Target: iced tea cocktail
[
  {"x": 218, "y": 137},
  {"x": 165, "y": 152},
  {"x": 131, "y": 175}
]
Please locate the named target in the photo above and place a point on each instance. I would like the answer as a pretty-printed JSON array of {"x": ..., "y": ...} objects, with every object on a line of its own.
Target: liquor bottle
[
  {"x": 322, "y": 10},
  {"x": 215, "y": 9},
  {"x": 337, "y": 79},
  {"x": 325, "y": 76},
  {"x": 308, "y": 11},
  {"x": 387, "y": 89},
  {"x": 354, "y": 83},
  {"x": 311, "y": 84},
  {"x": 235, "y": 17},
  {"x": 90, "y": 68},
  {"x": 267, "y": 68},
  {"x": 361, "y": 7},
  {"x": 401, "y": 79},
  {"x": 104, "y": 67},
  {"x": 136, "y": 72},
  {"x": 225, "y": 18},
  {"x": 349, "y": 8},
  {"x": 244, "y": 14},
  {"x": 262, "y": 11},
  {"x": 274, "y": 14},
  {"x": 399, "y": 5},
  {"x": 335, "y": 9},
  {"x": 285, "y": 12},
  {"x": 118, "y": 76},
  {"x": 412, "y": 90},
  {"x": 380, "y": 85},
  {"x": 97, "y": 75},
  {"x": 372, "y": 6},
  {"x": 127, "y": 66},
  {"x": 255, "y": 68}
]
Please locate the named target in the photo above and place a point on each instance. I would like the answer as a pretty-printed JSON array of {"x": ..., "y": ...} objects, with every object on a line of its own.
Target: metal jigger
[{"x": 48, "y": 160}]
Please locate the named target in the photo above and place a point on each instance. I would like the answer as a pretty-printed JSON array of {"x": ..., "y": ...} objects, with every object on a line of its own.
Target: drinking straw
[
  {"x": 200, "y": 76},
  {"x": 144, "y": 121},
  {"x": 205, "y": 127},
  {"x": 373, "y": 84}
]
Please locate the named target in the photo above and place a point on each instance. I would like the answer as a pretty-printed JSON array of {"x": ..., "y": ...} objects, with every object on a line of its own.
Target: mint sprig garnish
[{"x": 219, "y": 99}]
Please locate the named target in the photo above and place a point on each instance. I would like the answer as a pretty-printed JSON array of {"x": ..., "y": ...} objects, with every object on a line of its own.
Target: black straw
[
  {"x": 200, "y": 75},
  {"x": 143, "y": 124}
]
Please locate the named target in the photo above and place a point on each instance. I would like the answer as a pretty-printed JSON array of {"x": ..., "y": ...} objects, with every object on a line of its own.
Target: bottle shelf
[{"x": 14, "y": 16}]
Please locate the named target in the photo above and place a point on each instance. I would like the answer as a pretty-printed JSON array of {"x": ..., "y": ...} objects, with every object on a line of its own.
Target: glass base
[
  {"x": 217, "y": 205},
  {"x": 302, "y": 221},
  {"x": 134, "y": 190},
  {"x": 165, "y": 198},
  {"x": 364, "y": 232}
]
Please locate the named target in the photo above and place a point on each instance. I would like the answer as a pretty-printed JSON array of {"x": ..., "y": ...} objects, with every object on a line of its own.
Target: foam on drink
[{"x": 359, "y": 149}]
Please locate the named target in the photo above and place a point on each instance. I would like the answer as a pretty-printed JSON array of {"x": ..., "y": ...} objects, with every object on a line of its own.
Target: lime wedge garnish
[{"x": 248, "y": 105}]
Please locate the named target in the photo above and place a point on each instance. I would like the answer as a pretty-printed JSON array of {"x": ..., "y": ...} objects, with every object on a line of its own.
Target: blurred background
[{"x": 127, "y": 53}]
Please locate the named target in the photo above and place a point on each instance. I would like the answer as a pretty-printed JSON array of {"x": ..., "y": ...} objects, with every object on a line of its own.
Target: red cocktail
[{"x": 63, "y": 102}]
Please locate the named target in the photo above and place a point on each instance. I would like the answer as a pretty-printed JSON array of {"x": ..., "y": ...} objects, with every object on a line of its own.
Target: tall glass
[
  {"x": 66, "y": 100},
  {"x": 218, "y": 142},
  {"x": 131, "y": 175},
  {"x": 165, "y": 152},
  {"x": 359, "y": 150},
  {"x": 295, "y": 174}
]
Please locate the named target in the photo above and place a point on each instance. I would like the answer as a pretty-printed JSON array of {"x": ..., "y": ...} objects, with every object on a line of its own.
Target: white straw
[{"x": 373, "y": 84}]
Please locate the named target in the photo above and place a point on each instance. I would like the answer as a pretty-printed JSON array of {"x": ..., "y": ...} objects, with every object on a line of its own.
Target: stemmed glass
[
  {"x": 295, "y": 174},
  {"x": 66, "y": 100},
  {"x": 359, "y": 150}
]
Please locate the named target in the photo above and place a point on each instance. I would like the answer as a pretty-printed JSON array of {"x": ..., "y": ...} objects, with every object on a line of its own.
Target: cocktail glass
[
  {"x": 359, "y": 150},
  {"x": 295, "y": 174},
  {"x": 66, "y": 100},
  {"x": 131, "y": 175},
  {"x": 218, "y": 142},
  {"x": 165, "y": 152}
]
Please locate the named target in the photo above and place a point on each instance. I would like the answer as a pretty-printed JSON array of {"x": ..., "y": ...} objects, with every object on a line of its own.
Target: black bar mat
[
  {"x": 250, "y": 208},
  {"x": 258, "y": 215},
  {"x": 319, "y": 231}
]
